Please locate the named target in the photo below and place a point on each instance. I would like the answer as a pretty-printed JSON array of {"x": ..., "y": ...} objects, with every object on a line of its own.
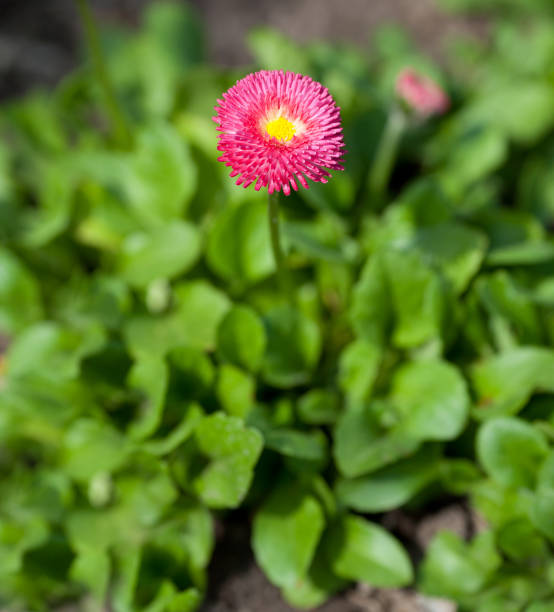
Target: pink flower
[
  {"x": 276, "y": 128},
  {"x": 421, "y": 93}
]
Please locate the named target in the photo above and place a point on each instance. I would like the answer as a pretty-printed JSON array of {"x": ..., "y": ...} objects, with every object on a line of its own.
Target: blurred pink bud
[{"x": 421, "y": 94}]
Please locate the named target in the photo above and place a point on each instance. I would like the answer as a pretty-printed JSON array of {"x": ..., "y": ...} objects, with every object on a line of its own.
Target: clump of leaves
[{"x": 155, "y": 377}]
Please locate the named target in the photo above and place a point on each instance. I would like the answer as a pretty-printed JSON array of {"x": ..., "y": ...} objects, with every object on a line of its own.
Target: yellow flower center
[{"x": 281, "y": 128}]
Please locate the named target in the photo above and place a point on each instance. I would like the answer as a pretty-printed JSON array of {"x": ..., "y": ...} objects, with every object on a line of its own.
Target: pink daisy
[
  {"x": 276, "y": 128},
  {"x": 421, "y": 93}
]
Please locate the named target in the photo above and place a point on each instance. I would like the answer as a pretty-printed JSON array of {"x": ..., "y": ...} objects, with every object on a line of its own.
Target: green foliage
[{"x": 152, "y": 375}]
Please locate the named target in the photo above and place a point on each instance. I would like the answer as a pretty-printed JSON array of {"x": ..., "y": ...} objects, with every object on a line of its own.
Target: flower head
[
  {"x": 421, "y": 94},
  {"x": 277, "y": 128}
]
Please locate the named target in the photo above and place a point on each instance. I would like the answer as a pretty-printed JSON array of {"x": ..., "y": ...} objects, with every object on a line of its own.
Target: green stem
[
  {"x": 379, "y": 175},
  {"x": 121, "y": 132},
  {"x": 278, "y": 255}
]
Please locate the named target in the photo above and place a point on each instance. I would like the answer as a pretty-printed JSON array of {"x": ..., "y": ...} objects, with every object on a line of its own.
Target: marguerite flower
[
  {"x": 421, "y": 94},
  {"x": 277, "y": 128}
]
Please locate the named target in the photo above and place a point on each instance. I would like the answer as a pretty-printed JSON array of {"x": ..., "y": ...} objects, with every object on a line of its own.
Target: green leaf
[
  {"x": 293, "y": 347},
  {"x": 316, "y": 586},
  {"x": 390, "y": 487},
  {"x": 200, "y": 309},
  {"x": 542, "y": 508},
  {"x": 422, "y": 205},
  {"x": 147, "y": 336},
  {"x": 91, "y": 447},
  {"x": 418, "y": 299},
  {"x": 169, "y": 599},
  {"x": 519, "y": 540},
  {"x": 306, "y": 239},
  {"x": 431, "y": 398},
  {"x": 241, "y": 338},
  {"x": 360, "y": 550},
  {"x": 311, "y": 446},
  {"x": 477, "y": 151},
  {"x": 91, "y": 568},
  {"x": 232, "y": 450},
  {"x": 151, "y": 377},
  {"x": 498, "y": 504},
  {"x": 185, "y": 428},
  {"x": 56, "y": 186},
  {"x": 458, "y": 476},
  {"x": 318, "y": 407},
  {"x": 361, "y": 445},
  {"x": 53, "y": 350},
  {"x": 20, "y": 299},
  {"x": 235, "y": 390},
  {"x": 504, "y": 299},
  {"x": 453, "y": 568},
  {"x": 146, "y": 493},
  {"x": 505, "y": 382},
  {"x": 239, "y": 246},
  {"x": 530, "y": 98},
  {"x": 521, "y": 254},
  {"x": 195, "y": 372},
  {"x": 161, "y": 176},
  {"x": 509, "y": 450},
  {"x": 540, "y": 606},
  {"x": 285, "y": 534},
  {"x": 456, "y": 249},
  {"x": 165, "y": 252},
  {"x": 370, "y": 309},
  {"x": 359, "y": 366}
]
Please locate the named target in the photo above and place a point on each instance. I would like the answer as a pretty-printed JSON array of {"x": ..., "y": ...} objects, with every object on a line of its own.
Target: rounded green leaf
[
  {"x": 235, "y": 390},
  {"x": 390, "y": 487},
  {"x": 160, "y": 177},
  {"x": 241, "y": 338},
  {"x": 200, "y": 309},
  {"x": 505, "y": 382},
  {"x": 165, "y": 252},
  {"x": 362, "y": 446},
  {"x": 91, "y": 447},
  {"x": 520, "y": 541},
  {"x": 360, "y": 550},
  {"x": 509, "y": 449},
  {"x": 293, "y": 347},
  {"x": 53, "y": 350},
  {"x": 432, "y": 399},
  {"x": 453, "y": 568},
  {"x": 232, "y": 450},
  {"x": 358, "y": 368},
  {"x": 239, "y": 246},
  {"x": 285, "y": 534}
]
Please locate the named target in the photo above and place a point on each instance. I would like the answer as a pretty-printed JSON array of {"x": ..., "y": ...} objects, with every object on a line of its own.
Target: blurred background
[
  {"x": 40, "y": 40},
  {"x": 99, "y": 279}
]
